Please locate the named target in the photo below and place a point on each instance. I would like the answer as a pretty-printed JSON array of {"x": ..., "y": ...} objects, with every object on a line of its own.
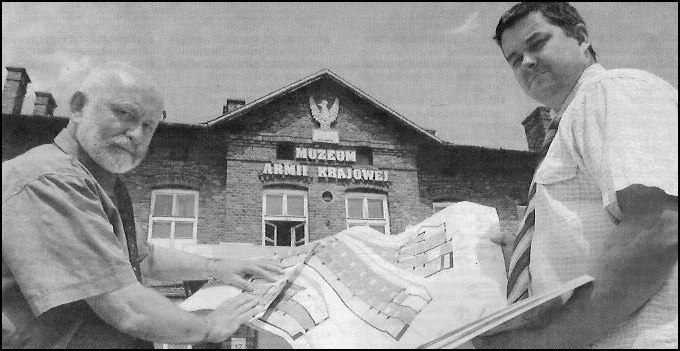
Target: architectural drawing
[{"x": 363, "y": 288}]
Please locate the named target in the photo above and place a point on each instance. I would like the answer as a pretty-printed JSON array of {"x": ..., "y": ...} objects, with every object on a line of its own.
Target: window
[
  {"x": 369, "y": 210},
  {"x": 364, "y": 156},
  {"x": 285, "y": 151},
  {"x": 284, "y": 217},
  {"x": 440, "y": 205},
  {"x": 174, "y": 217}
]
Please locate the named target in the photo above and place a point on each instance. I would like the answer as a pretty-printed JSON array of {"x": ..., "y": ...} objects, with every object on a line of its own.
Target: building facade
[{"x": 270, "y": 173}]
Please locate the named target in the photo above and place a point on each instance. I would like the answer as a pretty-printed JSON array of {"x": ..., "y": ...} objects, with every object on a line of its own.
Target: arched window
[
  {"x": 284, "y": 217},
  {"x": 367, "y": 209},
  {"x": 173, "y": 218}
]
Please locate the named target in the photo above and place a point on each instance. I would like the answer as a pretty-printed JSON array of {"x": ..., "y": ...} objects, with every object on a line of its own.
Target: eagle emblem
[{"x": 324, "y": 116}]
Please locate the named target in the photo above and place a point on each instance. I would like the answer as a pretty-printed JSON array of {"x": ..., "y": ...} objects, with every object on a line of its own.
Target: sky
[{"x": 433, "y": 63}]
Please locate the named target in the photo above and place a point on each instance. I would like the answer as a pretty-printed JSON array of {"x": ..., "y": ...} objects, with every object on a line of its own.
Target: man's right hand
[
  {"x": 229, "y": 316},
  {"x": 144, "y": 313}
]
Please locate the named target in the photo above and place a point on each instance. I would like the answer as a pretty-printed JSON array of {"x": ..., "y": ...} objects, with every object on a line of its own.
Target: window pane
[
  {"x": 380, "y": 228},
  {"x": 185, "y": 206},
  {"x": 354, "y": 208},
  {"x": 375, "y": 208},
  {"x": 285, "y": 151},
  {"x": 296, "y": 205},
  {"x": 184, "y": 230},
  {"x": 160, "y": 230},
  {"x": 274, "y": 204},
  {"x": 283, "y": 239},
  {"x": 364, "y": 156},
  {"x": 269, "y": 232},
  {"x": 299, "y": 235},
  {"x": 163, "y": 206}
]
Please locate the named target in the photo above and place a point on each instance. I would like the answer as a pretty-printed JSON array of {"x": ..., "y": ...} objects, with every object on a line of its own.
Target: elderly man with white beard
[{"x": 70, "y": 270}]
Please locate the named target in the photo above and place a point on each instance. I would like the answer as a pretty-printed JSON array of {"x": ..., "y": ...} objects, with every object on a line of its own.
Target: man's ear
[
  {"x": 78, "y": 101},
  {"x": 582, "y": 36}
]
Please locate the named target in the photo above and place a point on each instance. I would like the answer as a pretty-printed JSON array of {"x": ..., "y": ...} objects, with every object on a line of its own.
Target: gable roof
[{"x": 313, "y": 78}]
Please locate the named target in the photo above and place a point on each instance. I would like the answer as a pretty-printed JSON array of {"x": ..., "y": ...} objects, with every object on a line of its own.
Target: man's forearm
[
  {"x": 144, "y": 313},
  {"x": 174, "y": 265},
  {"x": 632, "y": 270}
]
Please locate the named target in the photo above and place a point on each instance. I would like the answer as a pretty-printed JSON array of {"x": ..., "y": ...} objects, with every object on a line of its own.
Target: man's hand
[
  {"x": 229, "y": 316},
  {"x": 237, "y": 272}
]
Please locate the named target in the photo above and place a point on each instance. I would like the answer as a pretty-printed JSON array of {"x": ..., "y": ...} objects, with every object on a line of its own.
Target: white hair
[{"x": 117, "y": 73}]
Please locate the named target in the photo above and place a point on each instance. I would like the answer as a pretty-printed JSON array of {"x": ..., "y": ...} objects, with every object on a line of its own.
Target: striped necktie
[
  {"x": 127, "y": 216},
  {"x": 519, "y": 277}
]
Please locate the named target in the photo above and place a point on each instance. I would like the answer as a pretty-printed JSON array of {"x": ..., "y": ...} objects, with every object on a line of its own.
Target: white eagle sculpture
[{"x": 324, "y": 116}]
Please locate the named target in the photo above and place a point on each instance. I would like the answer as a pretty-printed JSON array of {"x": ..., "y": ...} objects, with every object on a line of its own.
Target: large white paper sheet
[{"x": 360, "y": 288}]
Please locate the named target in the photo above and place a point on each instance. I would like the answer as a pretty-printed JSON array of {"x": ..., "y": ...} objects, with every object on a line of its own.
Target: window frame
[
  {"x": 385, "y": 221},
  {"x": 174, "y": 192},
  {"x": 284, "y": 209}
]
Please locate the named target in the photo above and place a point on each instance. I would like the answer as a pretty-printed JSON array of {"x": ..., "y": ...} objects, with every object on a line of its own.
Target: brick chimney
[
  {"x": 232, "y": 105},
  {"x": 44, "y": 104},
  {"x": 535, "y": 126},
  {"x": 14, "y": 91}
]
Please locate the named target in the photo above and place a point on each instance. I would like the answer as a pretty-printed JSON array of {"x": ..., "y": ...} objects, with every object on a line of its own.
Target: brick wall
[
  {"x": 182, "y": 157},
  {"x": 535, "y": 126},
  {"x": 288, "y": 119},
  {"x": 496, "y": 178}
]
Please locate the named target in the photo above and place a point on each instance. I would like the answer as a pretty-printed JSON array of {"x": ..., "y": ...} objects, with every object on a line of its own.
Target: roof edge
[{"x": 308, "y": 80}]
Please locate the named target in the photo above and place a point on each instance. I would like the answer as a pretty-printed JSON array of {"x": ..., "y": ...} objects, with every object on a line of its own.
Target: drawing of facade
[{"x": 384, "y": 292}]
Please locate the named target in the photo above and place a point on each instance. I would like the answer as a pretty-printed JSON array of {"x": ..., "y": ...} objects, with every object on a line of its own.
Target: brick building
[{"x": 269, "y": 173}]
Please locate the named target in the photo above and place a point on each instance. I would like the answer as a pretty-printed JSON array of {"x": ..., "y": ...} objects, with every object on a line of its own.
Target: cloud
[
  {"x": 59, "y": 72},
  {"x": 471, "y": 23},
  {"x": 72, "y": 68}
]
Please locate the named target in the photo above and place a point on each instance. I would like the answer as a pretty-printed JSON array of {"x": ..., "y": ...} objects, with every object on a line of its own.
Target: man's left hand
[{"x": 237, "y": 272}]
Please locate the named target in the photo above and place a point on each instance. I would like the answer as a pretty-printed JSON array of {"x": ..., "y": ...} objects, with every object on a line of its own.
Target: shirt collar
[
  {"x": 592, "y": 70},
  {"x": 67, "y": 143}
]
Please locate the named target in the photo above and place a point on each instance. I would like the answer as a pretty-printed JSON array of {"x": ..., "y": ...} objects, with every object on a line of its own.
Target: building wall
[
  {"x": 246, "y": 184},
  {"x": 287, "y": 120},
  {"x": 182, "y": 158},
  {"x": 358, "y": 121},
  {"x": 495, "y": 178}
]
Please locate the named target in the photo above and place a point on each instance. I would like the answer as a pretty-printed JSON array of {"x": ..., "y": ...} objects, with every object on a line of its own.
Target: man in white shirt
[{"x": 606, "y": 193}]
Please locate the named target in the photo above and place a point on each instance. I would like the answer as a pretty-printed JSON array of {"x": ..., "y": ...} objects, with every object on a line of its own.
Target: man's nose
[
  {"x": 529, "y": 60},
  {"x": 136, "y": 133}
]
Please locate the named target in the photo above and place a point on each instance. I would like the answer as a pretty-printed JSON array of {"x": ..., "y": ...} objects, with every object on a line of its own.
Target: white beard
[{"x": 109, "y": 157}]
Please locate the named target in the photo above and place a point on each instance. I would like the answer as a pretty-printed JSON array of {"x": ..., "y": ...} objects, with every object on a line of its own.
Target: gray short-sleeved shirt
[{"x": 62, "y": 242}]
